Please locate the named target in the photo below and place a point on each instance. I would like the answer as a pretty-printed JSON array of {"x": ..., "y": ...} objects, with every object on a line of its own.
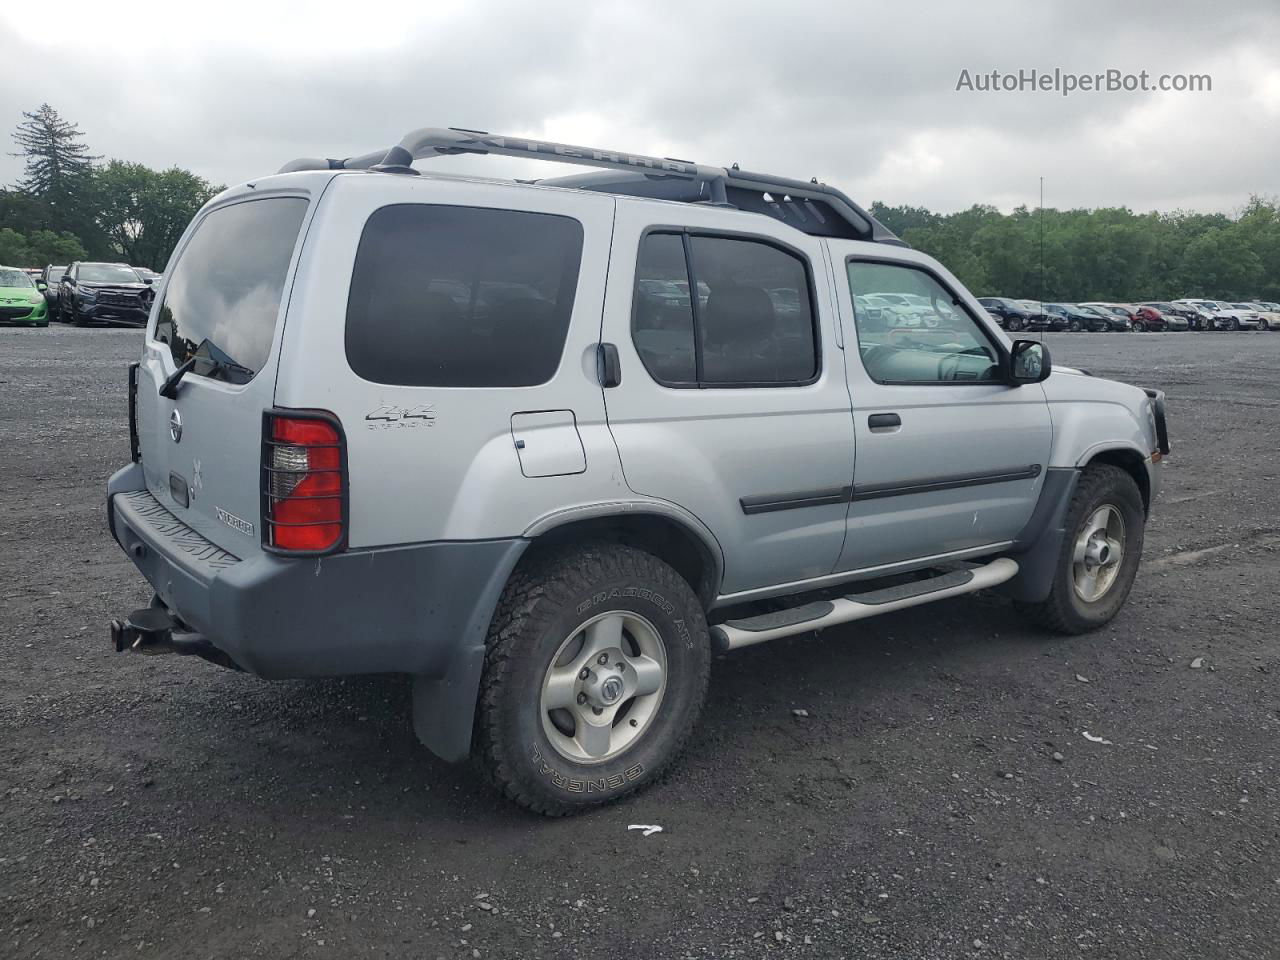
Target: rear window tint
[
  {"x": 223, "y": 296},
  {"x": 445, "y": 296}
]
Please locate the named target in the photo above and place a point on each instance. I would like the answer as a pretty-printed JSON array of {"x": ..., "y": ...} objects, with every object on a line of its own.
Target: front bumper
[
  {"x": 110, "y": 313},
  {"x": 24, "y": 313}
]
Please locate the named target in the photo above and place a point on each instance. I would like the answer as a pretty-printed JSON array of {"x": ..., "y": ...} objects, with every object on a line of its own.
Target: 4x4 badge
[{"x": 389, "y": 415}]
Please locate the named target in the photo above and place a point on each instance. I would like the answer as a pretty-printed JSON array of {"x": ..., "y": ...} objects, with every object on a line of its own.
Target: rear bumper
[{"x": 414, "y": 609}]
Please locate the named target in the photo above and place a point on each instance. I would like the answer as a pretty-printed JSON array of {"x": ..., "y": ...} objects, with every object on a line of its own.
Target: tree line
[
  {"x": 69, "y": 206},
  {"x": 1110, "y": 254}
]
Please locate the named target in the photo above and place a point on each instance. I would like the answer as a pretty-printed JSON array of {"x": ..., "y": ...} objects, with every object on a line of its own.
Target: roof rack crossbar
[{"x": 712, "y": 183}]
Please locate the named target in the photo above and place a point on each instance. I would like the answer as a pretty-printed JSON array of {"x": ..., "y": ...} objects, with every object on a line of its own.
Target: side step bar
[{"x": 821, "y": 614}]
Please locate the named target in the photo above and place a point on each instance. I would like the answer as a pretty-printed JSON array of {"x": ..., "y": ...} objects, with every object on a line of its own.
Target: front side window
[
  {"x": 750, "y": 321},
  {"x": 223, "y": 297},
  {"x": 446, "y": 296},
  {"x": 932, "y": 340}
]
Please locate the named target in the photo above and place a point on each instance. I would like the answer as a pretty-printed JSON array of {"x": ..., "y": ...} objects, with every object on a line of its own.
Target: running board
[{"x": 821, "y": 614}]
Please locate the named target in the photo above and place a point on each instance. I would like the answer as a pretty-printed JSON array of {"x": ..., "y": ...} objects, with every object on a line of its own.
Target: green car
[{"x": 20, "y": 300}]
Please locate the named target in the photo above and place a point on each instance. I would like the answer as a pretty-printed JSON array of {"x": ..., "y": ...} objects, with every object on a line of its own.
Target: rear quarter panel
[{"x": 455, "y": 474}]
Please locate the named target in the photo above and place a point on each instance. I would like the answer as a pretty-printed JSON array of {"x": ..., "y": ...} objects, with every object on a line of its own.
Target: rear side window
[
  {"x": 723, "y": 311},
  {"x": 223, "y": 296},
  {"x": 445, "y": 296}
]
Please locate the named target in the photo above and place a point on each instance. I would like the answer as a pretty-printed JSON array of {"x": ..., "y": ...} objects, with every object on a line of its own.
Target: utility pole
[{"x": 1042, "y": 241}]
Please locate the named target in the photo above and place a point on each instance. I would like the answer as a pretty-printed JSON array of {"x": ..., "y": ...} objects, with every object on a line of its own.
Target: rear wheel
[
  {"x": 596, "y": 670},
  {"x": 1263, "y": 324},
  {"x": 1100, "y": 553},
  {"x": 1139, "y": 327}
]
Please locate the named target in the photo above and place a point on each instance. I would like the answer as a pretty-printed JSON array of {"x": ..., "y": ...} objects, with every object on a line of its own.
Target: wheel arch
[
  {"x": 1128, "y": 459},
  {"x": 669, "y": 533}
]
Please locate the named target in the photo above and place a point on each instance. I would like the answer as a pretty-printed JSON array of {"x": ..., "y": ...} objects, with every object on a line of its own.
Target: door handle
[
  {"x": 884, "y": 421},
  {"x": 609, "y": 366}
]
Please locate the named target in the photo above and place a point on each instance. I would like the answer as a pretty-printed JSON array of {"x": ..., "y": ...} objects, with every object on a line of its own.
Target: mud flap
[{"x": 1038, "y": 545}]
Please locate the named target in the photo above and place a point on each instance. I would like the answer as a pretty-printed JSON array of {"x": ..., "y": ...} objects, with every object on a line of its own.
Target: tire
[
  {"x": 545, "y": 617},
  {"x": 1139, "y": 327},
  {"x": 1074, "y": 326},
  {"x": 1013, "y": 324},
  {"x": 1065, "y": 610},
  {"x": 1263, "y": 325},
  {"x": 1233, "y": 323}
]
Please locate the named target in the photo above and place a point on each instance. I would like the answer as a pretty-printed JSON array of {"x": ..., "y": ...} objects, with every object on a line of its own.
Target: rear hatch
[{"x": 221, "y": 311}]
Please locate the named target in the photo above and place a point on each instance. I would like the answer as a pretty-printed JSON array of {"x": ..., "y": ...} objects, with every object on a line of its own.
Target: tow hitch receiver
[{"x": 154, "y": 630}]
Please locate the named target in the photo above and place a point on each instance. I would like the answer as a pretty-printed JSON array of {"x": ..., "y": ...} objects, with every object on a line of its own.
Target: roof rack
[{"x": 811, "y": 207}]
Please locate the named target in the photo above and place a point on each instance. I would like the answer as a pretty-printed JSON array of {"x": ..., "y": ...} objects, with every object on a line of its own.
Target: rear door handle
[{"x": 884, "y": 421}]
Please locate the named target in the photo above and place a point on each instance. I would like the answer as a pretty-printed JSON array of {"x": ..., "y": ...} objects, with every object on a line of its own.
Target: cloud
[{"x": 861, "y": 95}]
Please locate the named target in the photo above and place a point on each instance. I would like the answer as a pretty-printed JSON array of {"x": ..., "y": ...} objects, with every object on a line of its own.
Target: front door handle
[{"x": 884, "y": 421}]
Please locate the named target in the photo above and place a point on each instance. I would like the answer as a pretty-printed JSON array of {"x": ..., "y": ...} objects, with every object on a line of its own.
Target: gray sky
[{"x": 861, "y": 95}]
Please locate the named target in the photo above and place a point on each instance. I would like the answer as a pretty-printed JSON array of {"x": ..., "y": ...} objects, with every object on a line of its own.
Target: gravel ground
[{"x": 162, "y": 807}]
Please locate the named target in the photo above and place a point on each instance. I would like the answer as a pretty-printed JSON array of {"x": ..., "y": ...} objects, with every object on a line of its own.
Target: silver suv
[{"x": 547, "y": 447}]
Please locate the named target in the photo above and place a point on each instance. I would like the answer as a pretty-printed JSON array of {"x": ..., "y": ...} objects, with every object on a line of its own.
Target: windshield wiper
[
  {"x": 169, "y": 389},
  {"x": 217, "y": 358}
]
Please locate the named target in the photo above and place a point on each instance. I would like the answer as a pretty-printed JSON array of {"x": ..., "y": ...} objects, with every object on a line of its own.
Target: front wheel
[
  {"x": 1013, "y": 325},
  {"x": 1263, "y": 324},
  {"x": 596, "y": 669},
  {"x": 1074, "y": 326},
  {"x": 1100, "y": 554},
  {"x": 1233, "y": 324}
]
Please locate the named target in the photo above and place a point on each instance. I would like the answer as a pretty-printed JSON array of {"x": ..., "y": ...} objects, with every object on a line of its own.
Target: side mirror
[
  {"x": 41, "y": 286},
  {"x": 1029, "y": 363}
]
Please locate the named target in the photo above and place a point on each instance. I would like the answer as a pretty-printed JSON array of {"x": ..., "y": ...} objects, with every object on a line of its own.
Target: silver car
[{"x": 479, "y": 432}]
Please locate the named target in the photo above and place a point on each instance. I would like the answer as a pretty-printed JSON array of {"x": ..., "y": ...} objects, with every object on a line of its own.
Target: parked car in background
[
  {"x": 1112, "y": 321},
  {"x": 1149, "y": 317},
  {"x": 1038, "y": 318},
  {"x": 1069, "y": 316},
  {"x": 1172, "y": 322},
  {"x": 1177, "y": 316},
  {"x": 1137, "y": 322},
  {"x": 1268, "y": 319},
  {"x": 20, "y": 300},
  {"x": 102, "y": 293},
  {"x": 51, "y": 276},
  {"x": 1227, "y": 317},
  {"x": 1009, "y": 313}
]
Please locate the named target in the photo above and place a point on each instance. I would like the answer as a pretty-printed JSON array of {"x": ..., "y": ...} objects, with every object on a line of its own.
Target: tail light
[
  {"x": 135, "y": 452},
  {"x": 304, "y": 482}
]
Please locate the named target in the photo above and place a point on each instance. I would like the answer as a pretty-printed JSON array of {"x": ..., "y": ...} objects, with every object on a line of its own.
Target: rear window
[
  {"x": 223, "y": 296},
  {"x": 445, "y": 296}
]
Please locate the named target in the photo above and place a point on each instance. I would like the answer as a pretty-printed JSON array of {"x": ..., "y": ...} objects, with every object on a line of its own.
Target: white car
[
  {"x": 1228, "y": 317},
  {"x": 1268, "y": 313}
]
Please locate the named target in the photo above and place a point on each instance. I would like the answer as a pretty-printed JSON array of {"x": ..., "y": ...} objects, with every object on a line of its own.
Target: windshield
[
  {"x": 106, "y": 273},
  {"x": 14, "y": 278}
]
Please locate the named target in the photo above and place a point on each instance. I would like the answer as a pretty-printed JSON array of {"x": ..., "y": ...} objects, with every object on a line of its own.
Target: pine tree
[
  {"x": 58, "y": 161},
  {"x": 59, "y": 174}
]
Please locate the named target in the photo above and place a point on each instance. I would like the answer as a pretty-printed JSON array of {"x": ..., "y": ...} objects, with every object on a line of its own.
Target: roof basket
[{"x": 811, "y": 207}]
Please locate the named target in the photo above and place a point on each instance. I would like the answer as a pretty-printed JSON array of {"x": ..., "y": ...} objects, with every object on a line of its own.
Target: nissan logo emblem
[{"x": 175, "y": 426}]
